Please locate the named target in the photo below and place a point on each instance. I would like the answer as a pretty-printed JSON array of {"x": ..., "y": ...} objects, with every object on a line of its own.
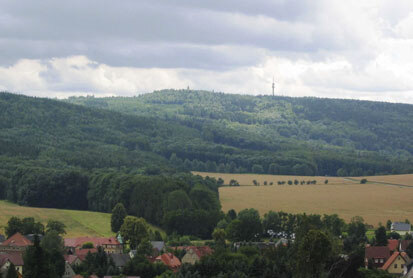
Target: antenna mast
[{"x": 273, "y": 86}]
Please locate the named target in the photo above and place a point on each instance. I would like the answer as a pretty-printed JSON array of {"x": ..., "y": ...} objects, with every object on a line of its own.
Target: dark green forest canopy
[{"x": 282, "y": 135}]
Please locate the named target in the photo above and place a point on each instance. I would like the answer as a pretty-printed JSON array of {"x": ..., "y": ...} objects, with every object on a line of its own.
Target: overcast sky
[{"x": 359, "y": 49}]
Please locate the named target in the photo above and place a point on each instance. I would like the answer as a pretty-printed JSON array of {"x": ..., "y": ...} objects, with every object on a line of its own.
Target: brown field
[
  {"x": 374, "y": 202},
  {"x": 393, "y": 179}
]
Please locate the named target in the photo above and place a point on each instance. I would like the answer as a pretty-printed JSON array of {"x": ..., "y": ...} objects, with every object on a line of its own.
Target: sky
[{"x": 359, "y": 49}]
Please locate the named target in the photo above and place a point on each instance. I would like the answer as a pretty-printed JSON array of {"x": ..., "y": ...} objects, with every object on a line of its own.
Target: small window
[
  {"x": 376, "y": 260},
  {"x": 395, "y": 265}
]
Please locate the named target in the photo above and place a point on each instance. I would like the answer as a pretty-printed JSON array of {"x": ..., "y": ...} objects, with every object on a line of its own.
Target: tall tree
[
  {"x": 35, "y": 261},
  {"x": 55, "y": 225},
  {"x": 118, "y": 215},
  {"x": 134, "y": 230},
  {"x": 381, "y": 237},
  {"x": 314, "y": 249}
]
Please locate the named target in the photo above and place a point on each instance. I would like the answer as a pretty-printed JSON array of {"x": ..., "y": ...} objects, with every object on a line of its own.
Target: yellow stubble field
[{"x": 343, "y": 196}]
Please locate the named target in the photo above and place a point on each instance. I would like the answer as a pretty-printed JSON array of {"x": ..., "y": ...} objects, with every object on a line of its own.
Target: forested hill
[{"x": 278, "y": 135}]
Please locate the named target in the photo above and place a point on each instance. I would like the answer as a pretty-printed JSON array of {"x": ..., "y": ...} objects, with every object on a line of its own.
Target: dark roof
[
  {"x": 404, "y": 243},
  {"x": 120, "y": 260},
  {"x": 158, "y": 245},
  {"x": 373, "y": 252},
  {"x": 31, "y": 237},
  {"x": 400, "y": 226}
]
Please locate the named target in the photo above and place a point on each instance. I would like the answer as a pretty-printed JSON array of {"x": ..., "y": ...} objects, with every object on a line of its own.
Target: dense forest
[
  {"x": 138, "y": 151},
  {"x": 54, "y": 154},
  {"x": 275, "y": 135}
]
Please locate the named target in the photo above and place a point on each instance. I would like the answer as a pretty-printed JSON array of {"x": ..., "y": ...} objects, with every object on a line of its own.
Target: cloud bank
[{"x": 324, "y": 48}]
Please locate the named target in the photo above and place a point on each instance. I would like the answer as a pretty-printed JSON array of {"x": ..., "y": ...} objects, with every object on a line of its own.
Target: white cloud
[{"x": 326, "y": 48}]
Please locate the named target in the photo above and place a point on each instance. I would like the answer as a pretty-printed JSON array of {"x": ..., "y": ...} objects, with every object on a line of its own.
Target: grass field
[
  {"x": 78, "y": 223},
  {"x": 375, "y": 202}
]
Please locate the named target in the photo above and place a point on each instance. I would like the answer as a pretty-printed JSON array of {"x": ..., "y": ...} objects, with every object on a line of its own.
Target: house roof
[
  {"x": 15, "y": 258},
  {"x": 120, "y": 260},
  {"x": 158, "y": 245},
  {"x": 169, "y": 260},
  {"x": 400, "y": 226},
  {"x": 97, "y": 241},
  {"x": 32, "y": 236},
  {"x": 393, "y": 257},
  {"x": 17, "y": 240},
  {"x": 404, "y": 243},
  {"x": 200, "y": 251},
  {"x": 392, "y": 244},
  {"x": 71, "y": 258},
  {"x": 82, "y": 253},
  {"x": 372, "y": 252}
]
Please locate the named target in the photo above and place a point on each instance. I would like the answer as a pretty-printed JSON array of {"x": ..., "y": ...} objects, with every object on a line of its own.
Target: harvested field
[
  {"x": 375, "y": 202},
  {"x": 247, "y": 179}
]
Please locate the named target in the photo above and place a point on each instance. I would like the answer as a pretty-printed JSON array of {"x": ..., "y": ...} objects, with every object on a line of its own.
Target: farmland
[
  {"x": 78, "y": 223},
  {"x": 375, "y": 202}
]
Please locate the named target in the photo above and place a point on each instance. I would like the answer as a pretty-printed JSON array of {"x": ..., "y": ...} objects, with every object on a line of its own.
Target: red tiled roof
[
  {"x": 97, "y": 241},
  {"x": 393, "y": 244},
  {"x": 15, "y": 258},
  {"x": 82, "y": 253},
  {"x": 17, "y": 240},
  {"x": 71, "y": 258},
  {"x": 169, "y": 260},
  {"x": 373, "y": 252},
  {"x": 392, "y": 258},
  {"x": 200, "y": 251}
]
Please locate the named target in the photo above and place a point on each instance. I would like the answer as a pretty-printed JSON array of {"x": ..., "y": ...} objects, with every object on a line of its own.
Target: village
[{"x": 391, "y": 257}]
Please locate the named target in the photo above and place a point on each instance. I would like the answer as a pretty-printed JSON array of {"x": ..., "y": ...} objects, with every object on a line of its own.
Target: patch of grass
[{"x": 78, "y": 223}]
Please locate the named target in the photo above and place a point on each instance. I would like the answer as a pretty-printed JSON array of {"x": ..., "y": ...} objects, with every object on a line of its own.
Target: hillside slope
[{"x": 278, "y": 135}]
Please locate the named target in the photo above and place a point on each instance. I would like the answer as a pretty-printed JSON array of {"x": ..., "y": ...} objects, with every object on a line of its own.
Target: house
[
  {"x": 16, "y": 242},
  {"x": 82, "y": 253},
  {"x": 195, "y": 253},
  {"x": 401, "y": 228},
  {"x": 158, "y": 247},
  {"x": 7, "y": 258},
  {"x": 168, "y": 259},
  {"x": 69, "y": 273},
  {"x": 120, "y": 260},
  {"x": 408, "y": 269},
  {"x": 393, "y": 245},
  {"x": 132, "y": 253},
  {"x": 72, "y": 260},
  {"x": 376, "y": 256},
  {"x": 396, "y": 263},
  {"x": 109, "y": 244},
  {"x": 403, "y": 244}
]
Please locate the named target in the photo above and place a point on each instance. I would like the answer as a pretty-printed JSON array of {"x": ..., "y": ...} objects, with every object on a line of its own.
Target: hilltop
[{"x": 276, "y": 135}]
